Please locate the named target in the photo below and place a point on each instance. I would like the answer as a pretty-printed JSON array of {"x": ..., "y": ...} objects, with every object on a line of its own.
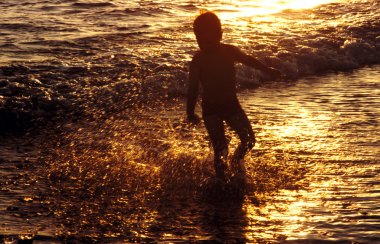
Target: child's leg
[
  {"x": 215, "y": 128},
  {"x": 240, "y": 124}
]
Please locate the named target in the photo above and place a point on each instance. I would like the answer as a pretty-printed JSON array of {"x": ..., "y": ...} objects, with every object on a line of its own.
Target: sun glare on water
[
  {"x": 265, "y": 7},
  {"x": 296, "y": 4}
]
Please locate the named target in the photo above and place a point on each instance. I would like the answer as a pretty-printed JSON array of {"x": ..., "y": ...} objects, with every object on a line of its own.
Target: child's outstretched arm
[
  {"x": 254, "y": 63},
  {"x": 192, "y": 92}
]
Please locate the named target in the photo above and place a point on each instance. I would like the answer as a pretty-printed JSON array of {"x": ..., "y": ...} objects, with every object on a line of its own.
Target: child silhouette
[{"x": 213, "y": 68}]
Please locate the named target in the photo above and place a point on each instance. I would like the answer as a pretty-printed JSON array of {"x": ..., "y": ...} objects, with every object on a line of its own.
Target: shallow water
[
  {"x": 334, "y": 116},
  {"x": 314, "y": 174},
  {"x": 331, "y": 121}
]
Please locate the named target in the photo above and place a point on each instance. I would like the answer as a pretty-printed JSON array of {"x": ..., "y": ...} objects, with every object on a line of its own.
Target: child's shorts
[{"x": 238, "y": 121}]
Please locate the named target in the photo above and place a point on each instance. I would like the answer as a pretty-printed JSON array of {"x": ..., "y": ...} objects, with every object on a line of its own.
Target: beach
[{"x": 94, "y": 145}]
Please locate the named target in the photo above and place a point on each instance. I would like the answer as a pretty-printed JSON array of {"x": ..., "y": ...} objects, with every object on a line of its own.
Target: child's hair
[{"x": 207, "y": 22}]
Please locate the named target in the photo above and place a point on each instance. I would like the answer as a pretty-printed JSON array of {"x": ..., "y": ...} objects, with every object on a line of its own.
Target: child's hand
[{"x": 193, "y": 119}]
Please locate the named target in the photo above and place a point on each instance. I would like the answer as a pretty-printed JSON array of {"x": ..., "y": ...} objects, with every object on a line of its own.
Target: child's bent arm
[
  {"x": 254, "y": 63},
  {"x": 192, "y": 91}
]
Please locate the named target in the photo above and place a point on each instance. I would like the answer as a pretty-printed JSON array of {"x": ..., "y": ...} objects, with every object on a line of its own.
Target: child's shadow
[
  {"x": 223, "y": 215},
  {"x": 195, "y": 204}
]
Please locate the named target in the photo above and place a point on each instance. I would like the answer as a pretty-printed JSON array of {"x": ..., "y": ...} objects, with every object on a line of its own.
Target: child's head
[{"x": 208, "y": 31}]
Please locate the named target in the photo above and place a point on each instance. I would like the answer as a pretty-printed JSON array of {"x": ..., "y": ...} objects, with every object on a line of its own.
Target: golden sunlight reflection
[
  {"x": 109, "y": 156},
  {"x": 260, "y": 8},
  {"x": 307, "y": 127},
  {"x": 293, "y": 211}
]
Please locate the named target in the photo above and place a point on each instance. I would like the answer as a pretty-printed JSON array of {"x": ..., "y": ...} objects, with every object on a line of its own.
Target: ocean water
[
  {"x": 66, "y": 53},
  {"x": 94, "y": 146}
]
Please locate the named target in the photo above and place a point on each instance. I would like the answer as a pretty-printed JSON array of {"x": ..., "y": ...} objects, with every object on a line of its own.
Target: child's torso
[{"x": 217, "y": 77}]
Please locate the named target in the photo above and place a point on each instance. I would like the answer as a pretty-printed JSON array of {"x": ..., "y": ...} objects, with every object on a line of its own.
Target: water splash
[{"x": 144, "y": 180}]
